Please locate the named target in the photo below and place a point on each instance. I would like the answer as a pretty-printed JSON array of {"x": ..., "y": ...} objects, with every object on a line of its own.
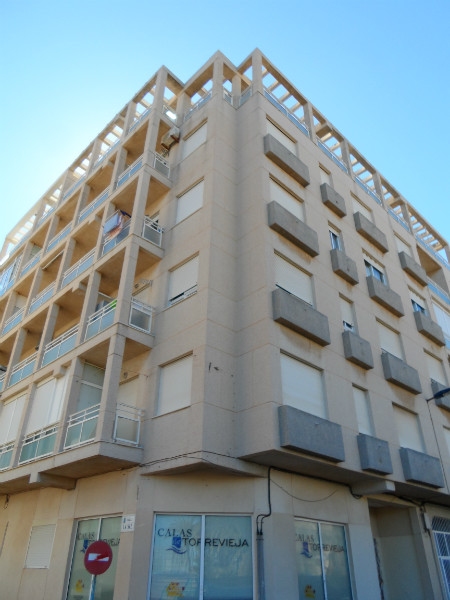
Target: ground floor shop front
[{"x": 211, "y": 536}]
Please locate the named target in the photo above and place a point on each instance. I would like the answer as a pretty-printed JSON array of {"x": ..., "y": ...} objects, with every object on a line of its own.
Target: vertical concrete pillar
[
  {"x": 217, "y": 78},
  {"x": 126, "y": 283},
  {"x": 140, "y": 201},
  {"x": 89, "y": 304},
  {"x": 346, "y": 157},
  {"x": 129, "y": 117},
  {"x": 257, "y": 68},
  {"x": 108, "y": 403},
  {"x": 309, "y": 120}
]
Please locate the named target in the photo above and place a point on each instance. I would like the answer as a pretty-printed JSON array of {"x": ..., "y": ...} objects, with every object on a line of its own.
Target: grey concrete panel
[
  {"x": 307, "y": 433},
  {"x": 429, "y": 328},
  {"x": 383, "y": 294},
  {"x": 286, "y": 160},
  {"x": 344, "y": 266},
  {"x": 374, "y": 454},
  {"x": 444, "y": 401},
  {"x": 357, "y": 350},
  {"x": 293, "y": 229},
  {"x": 370, "y": 232},
  {"x": 333, "y": 200},
  {"x": 421, "y": 468},
  {"x": 398, "y": 372},
  {"x": 410, "y": 266},
  {"x": 300, "y": 316}
]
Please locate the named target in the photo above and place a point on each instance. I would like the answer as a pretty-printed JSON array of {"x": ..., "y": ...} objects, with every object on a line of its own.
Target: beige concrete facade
[{"x": 221, "y": 309}]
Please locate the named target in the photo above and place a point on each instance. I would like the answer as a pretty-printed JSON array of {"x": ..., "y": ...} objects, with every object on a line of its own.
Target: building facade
[{"x": 224, "y": 350}]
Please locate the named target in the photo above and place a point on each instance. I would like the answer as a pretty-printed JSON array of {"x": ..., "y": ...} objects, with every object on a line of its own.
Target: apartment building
[{"x": 224, "y": 350}]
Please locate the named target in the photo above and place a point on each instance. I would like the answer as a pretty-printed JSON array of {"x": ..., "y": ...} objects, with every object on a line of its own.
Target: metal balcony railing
[
  {"x": 139, "y": 119},
  {"x": 89, "y": 209},
  {"x": 2, "y": 380},
  {"x": 6, "y": 451},
  {"x": 367, "y": 189},
  {"x": 111, "y": 242},
  {"x": 59, "y": 237},
  {"x": 79, "y": 267},
  {"x": 399, "y": 219},
  {"x": 46, "y": 214},
  {"x": 74, "y": 186},
  {"x": 30, "y": 264},
  {"x": 82, "y": 426},
  {"x": 60, "y": 346},
  {"x": 331, "y": 155},
  {"x": 141, "y": 316},
  {"x": 197, "y": 106},
  {"x": 436, "y": 255},
  {"x": 100, "y": 320},
  {"x": 102, "y": 157},
  {"x": 131, "y": 170},
  {"x": 293, "y": 118},
  {"x": 127, "y": 425},
  {"x": 161, "y": 165},
  {"x": 22, "y": 369},
  {"x": 13, "y": 321},
  {"x": 38, "y": 443},
  {"x": 42, "y": 297},
  {"x": 152, "y": 232}
]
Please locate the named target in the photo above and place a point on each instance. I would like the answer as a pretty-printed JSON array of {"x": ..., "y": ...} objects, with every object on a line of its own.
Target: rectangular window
[
  {"x": 292, "y": 279},
  {"x": 402, "y": 246},
  {"x": 408, "y": 428},
  {"x": 441, "y": 531},
  {"x": 202, "y": 557},
  {"x": 335, "y": 238},
  {"x": 363, "y": 412},
  {"x": 83, "y": 585},
  {"x": 325, "y": 176},
  {"x": 175, "y": 385},
  {"x": 193, "y": 141},
  {"x": 361, "y": 208},
  {"x": 281, "y": 136},
  {"x": 322, "y": 561},
  {"x": 374, "y": 269},
  {"x": 190, "y": 201},
  {"x": 183, "y": 281},
  {"x": 390, "y": 340},
  {"x": 40, "y": 547},
  {"x": 418, "y": 303},
  {"x": 286, "y": 199},
  {"x": 10, "y": 415},
  {"x": 436, "y": 369},
  {"x": 348, "y": 314},
  {"x": 443, "y": 319},
  {"x": 47, "y": 403},
  {"x": 302, "y": 386}
]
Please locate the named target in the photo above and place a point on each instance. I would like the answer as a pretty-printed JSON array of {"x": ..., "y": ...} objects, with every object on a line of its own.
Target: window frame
[{"x": 186, "y": 292}]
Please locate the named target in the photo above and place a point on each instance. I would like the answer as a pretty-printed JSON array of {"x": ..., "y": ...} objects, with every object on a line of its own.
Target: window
[
  {"x": 436, "y": 369},
  {"x": 408, "y": 428},
  {"x": 418, "y": 303},
  {"x": 8, "y": 275},
  {"x": 193, "y": 141},
  {"x": 443, "y": 319},
  {"x": 175, "y": 385},
  {"x": 302, "y": 386},
  {"x": 335, "y": 238},
  {"x": 374, "y": 269},
  {"x": 292, "y": 279},
  {"x": 402, "y": 246},
  {"x": 82, "y": 585},
  {"x": 287, "y": 200},
  {"x": 325, "y": 176},
  {"x": 363, "y": 412},
  {"x": 40, "y": 547},
  {"x": 183, "y": 281},
  {"x": 82, "y": 424},
  {"x": 281, "y": 136},
  {"x": 441, "y": 530},
  {"x": 10, "y": 416},
  {"x": 190, "y": 201},
  {"x": 358, "y": 206},
  {"x": 202, "y": 557},
  {"x": 322, "y": 561},
  {"x": 348, "y": 314},
  {"x": 390, "y": 340}
]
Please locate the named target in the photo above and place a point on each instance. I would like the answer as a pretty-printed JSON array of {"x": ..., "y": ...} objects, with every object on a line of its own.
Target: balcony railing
[
  {"x": 74, "y": 186},
  {"x": 42, "y": 297},
  {"x": 245, "y": 95},
  {"x": 228, "y": 96},
  {"x": 100, "y": 320},
  {"x": 399, "y": 219},
  {"x": 141, "y": 316},
  {"x": 130, "y": 171},
  {"x": 443, "y": 295},
  {"x": 331, "y": 155},
  {"x": 30, "y": 264},
  {"x": 60, "y": 236},
  {"x": 197, "y": 106},
  {"x": 89, "y": 209},
  {"x": 22, "y": 369},
  {"x": 13, "y": 321},
  {"x": 111, "y": 242},
  {"x": 79, "y": 267},
  {"x": 102, "y": 157},
  {"x": 152, "y": 232},
  {"x": 127, "y": 426},
  {"x": 46, "y": 214},
  {"x": 2, "y": 380},
  {"x": 293, "y": 118},
  {"x": 139, "y": 119},
  {"x": 161, "y": 165},
  {"x": 436, "y": 255},
  {"x": 82, "y": 426},
  {"x": 60, "y": 346},
  {"x": 367, "y": 189},
  {"x": 6, "y": 451},
  {"x": 38, "y": 443}
]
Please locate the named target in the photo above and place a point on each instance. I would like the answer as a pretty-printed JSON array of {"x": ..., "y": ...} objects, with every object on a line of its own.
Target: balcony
[
  {"x": 13, "y": 321},
  {"x": 429, "y": 328},
  {"x": 357, "y": 350},
  {"x": 30, "y": 264},
  {"x": 386, "y": 297},
  {"x": 370, "y": 232},
  {"x": 363, "y": 185},
  {"x": 59, "y": 237},
  {"x": 293, "y": 229},
  {"x": 131, "y": 170},
  {"x": 42, "y": 297},
  {"x": 102, "y": 157},
  {"x": 344, "y": 266},
  {"x": 374, "y": 454},
  {"x": 38, "y": 443},
  {"x": 152, "y": 232},
  {"x": 6, "y": 451},
  {"x": 127, "y": 425},
  {"x": 100, "y": 320},
  {"x": 2, "y": 380},
  {"x": 333, "y": 156},
  {"x": 286, "y": 160},
  {"x": 413, "y": 269},
  {"x": 139, "y": 119},
  {"x": 141, "y": 316},
  {"x": 90, "y": 208},
  {"x": 161, "y": 165},
  {"x": 397, "y": 371},
  {"x": 73, "y": 187},
  {"x": 112, "y": 241},
  {"x": 22, "y": 369},
  {"x": 293, "y": 118},
  {"x": 82, "y": 265},
  {"x": 82, "y": 426},
  {"x": 421, "y": 468},
  {"x": 60, "y": 346},
  {"x": 197, "y": 106},
  {"x": 333, "y": 200}
]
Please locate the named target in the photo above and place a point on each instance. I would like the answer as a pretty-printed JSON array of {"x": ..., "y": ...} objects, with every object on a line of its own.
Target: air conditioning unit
[{"x": 170, "y": 138}]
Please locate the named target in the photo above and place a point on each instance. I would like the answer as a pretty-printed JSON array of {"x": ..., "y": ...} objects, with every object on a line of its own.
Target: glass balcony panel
[
  {"x": 89, "y": 209},
  {"x": 60, "y": 346},
  {"x": 30, "y": 264},
  {"x": 152, "y": 232},
  {"x": 141, "y": 316},
  {"x": 39, "y": 443},
  {"x": 111, "y": 243},
  {"x": 59, "y": 237},
  {"x": 128, "y": 424},
  {"x": 82, "y": 265},
  {"x": 100, "y": 320},
  {"x": 13, "y": 321},
  {"x": 41, "y": 298},
  {"x": 129, "y": 172},
  {"x": 22, "y": 369},
  {"x": 82, "y": 426},
  {"x": 6, "y": 452},
  {"x": 2, "y": 381}
]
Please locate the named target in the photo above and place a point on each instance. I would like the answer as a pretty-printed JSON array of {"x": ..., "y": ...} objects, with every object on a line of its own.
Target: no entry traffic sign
[{"x": 98, "y": 557}]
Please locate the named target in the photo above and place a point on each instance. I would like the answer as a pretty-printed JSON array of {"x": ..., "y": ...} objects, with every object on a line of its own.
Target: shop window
[
  {"x": 202, "y": 557},
  {"x": 302, "y": 386},
  {"x": 83, "y": 585},
  {"x": 322, "y": 561},
  {"x": 190, "y": 201},
  {"x": 175, "y": 385}
]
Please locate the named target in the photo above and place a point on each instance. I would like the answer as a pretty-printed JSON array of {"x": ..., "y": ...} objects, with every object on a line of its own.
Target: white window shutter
[
  {"x": 182, "y": 279},
  {"x": 293, "y": 280},
  {"x": 175, "y": 385},
  {"x": 363, "y": 413},
  {"x": 40, "y": 547},
  {"x": 390, "y": 341},
  {"x": 10, "y": 416},
  {"x": 408, "y": 428},
  {"x": 302, "y": 386},
  {"x": 435, "y": 369},
  {"x": 192, "y": 142},
  {"x": 286, "y": 200},
  {"x": 190, "y": 201},
  {"x": 280, "y": 136}
]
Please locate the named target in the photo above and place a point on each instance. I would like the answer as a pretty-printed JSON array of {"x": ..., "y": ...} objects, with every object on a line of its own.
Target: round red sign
[{"x": 98, "y": 557}]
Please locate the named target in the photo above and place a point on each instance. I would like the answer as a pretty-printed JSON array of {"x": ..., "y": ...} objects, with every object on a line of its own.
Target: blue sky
[{"x": 379, "y": 71}]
